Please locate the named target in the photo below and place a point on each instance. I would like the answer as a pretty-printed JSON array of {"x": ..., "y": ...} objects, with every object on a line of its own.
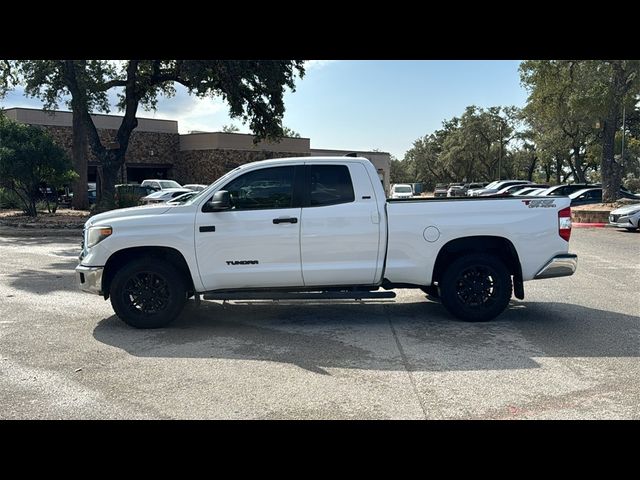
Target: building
[{"x": 157, "y": 150}]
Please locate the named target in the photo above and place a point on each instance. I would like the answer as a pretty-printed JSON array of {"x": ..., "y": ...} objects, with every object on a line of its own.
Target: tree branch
[{"x": 110, "y": 84}]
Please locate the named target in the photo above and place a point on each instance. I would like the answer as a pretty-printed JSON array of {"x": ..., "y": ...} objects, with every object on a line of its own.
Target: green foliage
[
  {"x": 129, "y": 195},
  {"x": 9, "y": 199},
  {"x": 29, "y": 160},
  {"x": 288, "y": 132},
  {"x": 575, "y": 108},
  {"x": 400, "y": 172},
  {"x": 473, "y": 147},
  {"x": 230, "y": 128},
  {"x": 253, "y": 89},
  {"x": 632, "y": 182}
]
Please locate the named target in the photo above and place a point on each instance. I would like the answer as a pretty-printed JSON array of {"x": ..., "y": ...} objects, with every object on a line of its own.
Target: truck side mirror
[{"x": 221, "y": 201}]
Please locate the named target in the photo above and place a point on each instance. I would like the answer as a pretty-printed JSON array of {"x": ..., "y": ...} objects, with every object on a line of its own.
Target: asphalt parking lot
[{"x": 570, "y": 350}]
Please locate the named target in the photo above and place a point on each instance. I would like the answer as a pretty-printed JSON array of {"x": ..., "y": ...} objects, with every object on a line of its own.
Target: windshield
[
  {"x": 492, "y": 184},
  {"x": 190, "y": 200},
  {"x": 201, "y": 192},
  {"x": 169, "y": 184},
  {"x": 402, "y": 189}
]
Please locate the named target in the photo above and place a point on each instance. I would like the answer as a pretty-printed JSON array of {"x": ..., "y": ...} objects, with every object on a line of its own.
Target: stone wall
[
  {"x": 144, "y": 147},
  {"x": 205, "y": 166}
]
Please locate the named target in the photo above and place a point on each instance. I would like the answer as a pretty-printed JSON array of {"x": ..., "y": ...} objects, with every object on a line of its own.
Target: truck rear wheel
[
  {"x": 476, "y": 288},
  {"x": 148, "y": 294}
]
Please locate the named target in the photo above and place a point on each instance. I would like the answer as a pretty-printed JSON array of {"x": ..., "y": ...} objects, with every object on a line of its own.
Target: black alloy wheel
[{"x": 476, "y": 287}]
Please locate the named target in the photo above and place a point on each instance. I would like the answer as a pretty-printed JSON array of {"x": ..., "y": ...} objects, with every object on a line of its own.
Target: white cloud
[{"x": 317, "y": 64}]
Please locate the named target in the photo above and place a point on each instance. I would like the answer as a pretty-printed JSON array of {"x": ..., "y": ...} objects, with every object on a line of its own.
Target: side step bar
[{"x": 298, "y": 295}]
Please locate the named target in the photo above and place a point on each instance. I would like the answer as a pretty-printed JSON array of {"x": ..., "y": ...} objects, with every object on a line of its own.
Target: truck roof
[{"x": 285, "y": 160}]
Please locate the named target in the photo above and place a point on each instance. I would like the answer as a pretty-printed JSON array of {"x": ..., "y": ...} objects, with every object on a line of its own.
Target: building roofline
[
  {"x": 340, "y": 150},
  {"x": 53, "y": 112},
  {"x": 236, "y": 133}
]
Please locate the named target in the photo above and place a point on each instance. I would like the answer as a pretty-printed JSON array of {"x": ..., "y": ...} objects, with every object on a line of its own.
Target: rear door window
[{"x": 329, "y": 185}]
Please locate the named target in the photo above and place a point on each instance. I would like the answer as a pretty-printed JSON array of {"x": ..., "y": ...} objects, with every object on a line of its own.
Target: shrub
[
  {"x": 632, "y": 182},
  {"x": 9, "y": 199},
  {"x": 29, "y": 162}
]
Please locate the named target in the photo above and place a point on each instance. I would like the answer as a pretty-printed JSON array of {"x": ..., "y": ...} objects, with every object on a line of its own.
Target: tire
[
  {"x": 479, "y": 302},
  {"x": 159, "y": 288}
]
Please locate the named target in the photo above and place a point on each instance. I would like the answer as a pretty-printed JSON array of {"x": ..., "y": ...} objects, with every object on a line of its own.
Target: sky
[{"x": 359, "y": 104}]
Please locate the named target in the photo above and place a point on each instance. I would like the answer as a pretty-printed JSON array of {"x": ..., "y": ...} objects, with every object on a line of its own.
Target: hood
[
  {"x": 127, "y": 212},
  {"x": 626, "y": 209}
]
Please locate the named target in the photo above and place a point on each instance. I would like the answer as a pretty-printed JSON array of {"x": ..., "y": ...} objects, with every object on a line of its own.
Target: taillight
[{"x": 564, "y": 223}]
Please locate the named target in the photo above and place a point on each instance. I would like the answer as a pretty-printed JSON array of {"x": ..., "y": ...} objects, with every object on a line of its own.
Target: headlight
[{"x": 96, "y": 234}]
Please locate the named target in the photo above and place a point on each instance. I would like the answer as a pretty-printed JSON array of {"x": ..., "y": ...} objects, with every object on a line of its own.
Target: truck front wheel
[
  {"x": 476, "y": 288},
  {"x": 148, "y": 294}
]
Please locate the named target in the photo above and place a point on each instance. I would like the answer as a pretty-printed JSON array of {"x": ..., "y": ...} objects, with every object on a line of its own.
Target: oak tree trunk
[
  {"x": 611, "y": 170},
  {"x": 79, "y": 154}
]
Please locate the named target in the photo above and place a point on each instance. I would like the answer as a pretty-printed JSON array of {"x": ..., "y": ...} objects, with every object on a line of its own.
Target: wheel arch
[
  {"x": 486, "y": 244},
  {"x": 122, "y": 257}
]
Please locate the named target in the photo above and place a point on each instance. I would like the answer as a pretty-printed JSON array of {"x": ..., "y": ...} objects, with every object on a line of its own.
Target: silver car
[
  {"x": 626, "y": 217},
  {"x": 164, "y": 195}
]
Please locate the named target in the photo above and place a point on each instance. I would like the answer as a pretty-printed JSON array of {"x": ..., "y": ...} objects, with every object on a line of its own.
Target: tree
[
  {"x": 288, "y": 132},
  {"x": 30, "y": 161},
  {"x": 253, "y": 89},
  {"x": 399, "y": 171},
  {"x": 576, "y": 106},
  {"x": 477, "y": 144},
  {"x": 230, "y": 128}
]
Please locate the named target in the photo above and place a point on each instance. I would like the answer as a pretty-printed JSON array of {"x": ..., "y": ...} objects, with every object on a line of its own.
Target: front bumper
[
  {"x": 559, "y": 266},
  {"x": 89, "y": 279},
  {"x": 622, "y": 221}
]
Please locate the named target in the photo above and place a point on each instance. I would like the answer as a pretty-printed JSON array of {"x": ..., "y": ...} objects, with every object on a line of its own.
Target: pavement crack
[{"x": 405, "y": 363}]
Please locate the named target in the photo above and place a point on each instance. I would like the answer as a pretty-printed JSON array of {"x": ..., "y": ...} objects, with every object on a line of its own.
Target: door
[
  {"x": 255, "y": 244},
  {"x": 340, "y": 236}
]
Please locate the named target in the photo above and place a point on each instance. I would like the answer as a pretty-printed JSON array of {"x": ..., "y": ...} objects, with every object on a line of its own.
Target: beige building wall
[
  {"x": 241, "y": 141},
  {"x": 34, "y": 116}
]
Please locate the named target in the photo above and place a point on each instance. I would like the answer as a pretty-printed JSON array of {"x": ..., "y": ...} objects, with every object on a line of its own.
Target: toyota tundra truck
[{"x": 321, "y": 227}]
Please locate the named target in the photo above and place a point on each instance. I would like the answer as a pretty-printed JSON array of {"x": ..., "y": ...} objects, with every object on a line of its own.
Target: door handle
[{"x": 285, "y": 220}]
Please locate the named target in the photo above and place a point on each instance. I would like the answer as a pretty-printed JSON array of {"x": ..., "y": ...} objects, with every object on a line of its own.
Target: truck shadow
[{"x": 318, "y": 337}]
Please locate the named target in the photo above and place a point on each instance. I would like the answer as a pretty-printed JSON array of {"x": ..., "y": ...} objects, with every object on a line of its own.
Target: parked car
[
  {"x": 160, "y": 184},
  {"x": 512, "y": 189},
  {"x": 586, "y": 196},
  {"x": 471, "y": 191},
  {"x": 472, "y": 186},
  {"x": 526, "y": 190},
  {"x": 401, "y": 190},
  {"x": 182, "y": 198},
  {"x": 456, "y": 190},
  {"x": 163, "y": 195},
  {"x": 499, "y": 186},
  {"x": 535, "y": 192},
  {"x": 440, "y": 190},
  {"x": 626, "y": 217},
  {"x": 92, "y": 196},
  {"x": 196, "y": 187},
  {"x": 566, "y": 189}
]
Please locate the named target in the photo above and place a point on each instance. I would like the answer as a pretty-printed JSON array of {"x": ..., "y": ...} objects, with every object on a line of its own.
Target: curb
[
  {"x": 588, "y": 225},
  {"x": 40, "y": 232}
]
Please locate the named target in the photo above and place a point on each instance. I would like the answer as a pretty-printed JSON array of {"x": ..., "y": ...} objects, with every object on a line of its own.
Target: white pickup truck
[{"x": 321, "y": 227}]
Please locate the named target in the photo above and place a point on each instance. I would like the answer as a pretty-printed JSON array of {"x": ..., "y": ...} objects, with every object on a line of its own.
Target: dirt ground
[{"x": 63, "y": 218}]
